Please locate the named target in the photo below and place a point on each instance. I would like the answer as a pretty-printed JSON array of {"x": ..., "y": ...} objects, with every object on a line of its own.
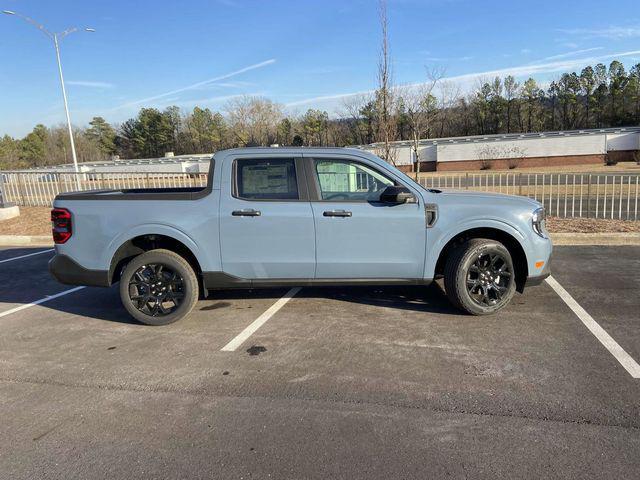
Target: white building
[{"x": 575, "y": 147}]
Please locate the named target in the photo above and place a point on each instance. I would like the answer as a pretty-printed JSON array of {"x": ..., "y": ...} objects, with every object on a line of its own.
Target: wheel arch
[
  {"x": 143, "y": 242},
  {"x": 508, "y": 239}
]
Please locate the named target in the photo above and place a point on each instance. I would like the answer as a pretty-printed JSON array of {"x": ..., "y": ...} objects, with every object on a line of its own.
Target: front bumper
[
  {"x": 66, "y": 270},
  {"x": 532, "y": 281}
]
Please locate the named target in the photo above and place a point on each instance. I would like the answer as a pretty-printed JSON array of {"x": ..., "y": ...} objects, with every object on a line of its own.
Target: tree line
[{"x": 598, "y": 96}]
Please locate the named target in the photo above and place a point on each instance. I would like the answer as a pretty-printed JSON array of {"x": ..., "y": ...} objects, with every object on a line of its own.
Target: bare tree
[
  {"x": 385, "y": 95},
  {"x": 448, "y": 94},
  {"x": 488, "y": 153},
  {"x": 254, "y": 120},
  {"x": 421, "y": 107},
  {"x": 516, "y": 155}
]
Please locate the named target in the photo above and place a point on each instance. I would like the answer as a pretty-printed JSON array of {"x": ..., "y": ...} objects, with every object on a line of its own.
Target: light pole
[{"x": 56, "y": 38}]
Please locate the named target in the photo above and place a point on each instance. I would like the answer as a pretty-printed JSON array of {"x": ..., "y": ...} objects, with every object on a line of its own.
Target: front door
[
  {"x": 266, "y": 221},
  {"x": 357, "y": 236}
]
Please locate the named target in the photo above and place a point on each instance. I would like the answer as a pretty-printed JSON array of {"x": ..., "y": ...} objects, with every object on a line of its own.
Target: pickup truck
[{"x": 297, "y": 217}]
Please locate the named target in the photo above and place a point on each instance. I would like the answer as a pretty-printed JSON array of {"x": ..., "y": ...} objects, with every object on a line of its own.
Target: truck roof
[{"x": 289, "y": 150}]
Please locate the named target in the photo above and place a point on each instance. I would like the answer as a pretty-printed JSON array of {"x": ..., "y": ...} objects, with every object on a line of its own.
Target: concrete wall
[
  {"x": 404, "y": 157},
  {"x": 623, "y": 141},
  {"x": 524, "y": 148}
]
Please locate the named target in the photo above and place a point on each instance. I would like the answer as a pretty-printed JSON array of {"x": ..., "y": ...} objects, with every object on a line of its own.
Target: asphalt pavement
[{"x": 337, "y": 383}]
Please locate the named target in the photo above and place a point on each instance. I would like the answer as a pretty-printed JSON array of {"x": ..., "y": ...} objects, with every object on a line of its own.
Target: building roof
[{"x": 511, "y": 136}]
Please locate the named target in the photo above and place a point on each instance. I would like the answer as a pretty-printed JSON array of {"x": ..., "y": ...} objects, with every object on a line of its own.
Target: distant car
[{"x": 297, "y": 217}]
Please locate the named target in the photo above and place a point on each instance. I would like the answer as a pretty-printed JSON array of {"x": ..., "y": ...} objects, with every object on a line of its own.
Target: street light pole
[
  {"x": 66, "y": 111},
  {"x": 56, "y": 37}
]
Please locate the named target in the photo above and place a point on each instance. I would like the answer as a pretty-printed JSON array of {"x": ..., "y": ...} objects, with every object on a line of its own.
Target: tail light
[{"x": 61, "y": 225}]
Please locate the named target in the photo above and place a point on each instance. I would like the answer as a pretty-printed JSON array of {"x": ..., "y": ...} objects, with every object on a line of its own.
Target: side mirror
[{"x": 396, "y": 195}]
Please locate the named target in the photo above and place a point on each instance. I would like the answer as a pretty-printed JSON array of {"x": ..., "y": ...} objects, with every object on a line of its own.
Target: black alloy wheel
[
  {"x": 488, "y": 279},
  {"x": 480, "y": 276},
  {"x": 156, "y": 289}
]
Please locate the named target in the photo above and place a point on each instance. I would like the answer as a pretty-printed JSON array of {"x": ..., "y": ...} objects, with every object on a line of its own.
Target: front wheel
[
  {"x": 158, "y": 287},
  {"x": 479, "y": 277}
]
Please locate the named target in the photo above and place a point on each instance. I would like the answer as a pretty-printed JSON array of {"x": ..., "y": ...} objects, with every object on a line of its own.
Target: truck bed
[{"x": 176, "y": 193}]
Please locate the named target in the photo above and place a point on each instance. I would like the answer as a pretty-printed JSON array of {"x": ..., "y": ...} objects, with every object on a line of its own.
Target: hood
[{"x": 470, "y": 195}]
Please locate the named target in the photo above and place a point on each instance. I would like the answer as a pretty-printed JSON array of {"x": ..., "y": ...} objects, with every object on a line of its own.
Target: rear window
[{"x": 266, "y": 179}]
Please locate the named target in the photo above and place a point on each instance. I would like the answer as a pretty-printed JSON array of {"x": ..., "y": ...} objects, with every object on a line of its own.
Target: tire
[
  {"x": 479, "y": 276},
  {"x": 158, "y": 296}
]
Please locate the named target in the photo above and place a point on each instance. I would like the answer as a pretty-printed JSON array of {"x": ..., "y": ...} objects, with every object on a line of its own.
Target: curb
[
  {"x": 7, "y": 213},
  {"x": 613, "y": 239},
  {"x": 26, "y": 240}
]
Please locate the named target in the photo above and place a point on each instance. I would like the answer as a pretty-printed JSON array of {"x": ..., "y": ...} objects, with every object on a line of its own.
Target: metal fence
[
  {"x": 568, "y": 195},
  {"x": 586, "y": 195},
  {"x": 40, "y": 188}
]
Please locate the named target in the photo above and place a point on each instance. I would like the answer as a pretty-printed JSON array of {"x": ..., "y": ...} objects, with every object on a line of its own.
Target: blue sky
[{"x": 301, "y": 53}]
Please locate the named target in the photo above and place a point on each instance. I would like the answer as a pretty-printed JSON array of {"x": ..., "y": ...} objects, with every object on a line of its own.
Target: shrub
[
  {"x": 513, "y": 163},
  {"x": 486, "y": 164}
]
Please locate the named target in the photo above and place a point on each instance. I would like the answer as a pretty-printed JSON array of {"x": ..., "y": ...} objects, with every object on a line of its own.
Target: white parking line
[
  {"x": 258, "y": 322},
  {"x": 38, "y": 302},
  {"x": 25, "y": 256},
  {"x": 629, "y": 364}
]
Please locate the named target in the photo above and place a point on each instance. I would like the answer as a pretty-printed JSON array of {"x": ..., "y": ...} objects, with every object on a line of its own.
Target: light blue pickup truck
[{"x": 297, "y": 217}]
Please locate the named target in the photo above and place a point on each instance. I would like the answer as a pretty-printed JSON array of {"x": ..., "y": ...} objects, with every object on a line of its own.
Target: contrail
[{"x": 197, "y": 85}]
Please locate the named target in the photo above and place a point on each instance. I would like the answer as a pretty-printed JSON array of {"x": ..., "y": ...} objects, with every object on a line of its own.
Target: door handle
[
  {"x": 337, "y": 213},
  {"x": 249, "y": 212}
]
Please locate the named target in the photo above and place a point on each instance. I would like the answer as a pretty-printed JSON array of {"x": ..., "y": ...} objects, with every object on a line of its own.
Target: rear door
[
  {"x": 357, "y": 236},
  {"x": 266, "y": 221}
]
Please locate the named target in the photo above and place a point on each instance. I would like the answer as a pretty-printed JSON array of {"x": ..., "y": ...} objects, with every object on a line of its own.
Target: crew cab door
[
  {"x": 266, "y": 221},
  {"x": 358, "y": 236}
]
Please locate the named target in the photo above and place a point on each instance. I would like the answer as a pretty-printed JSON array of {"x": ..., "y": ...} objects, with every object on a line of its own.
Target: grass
[
  {"x": 590, "y": 225},
  {"x": 32, "y": 221}
]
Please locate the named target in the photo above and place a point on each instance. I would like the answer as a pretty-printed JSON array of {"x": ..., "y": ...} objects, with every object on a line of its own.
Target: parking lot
[{"x": 333, "y": 383}]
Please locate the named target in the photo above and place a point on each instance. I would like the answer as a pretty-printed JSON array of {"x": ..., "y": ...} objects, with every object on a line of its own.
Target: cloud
[
  {"x": 548, "y": 67},
  {"x": 197, "y": 85},
  {"x": 322, "y": 98},
  {"x": 448, "y": 59},
  {"x": 208, "y": 101},
  {"x": 615, "y": 32},
  {"x": 572, "y": 53},
  {"x": 226, "y": 85},
  {"x": 84, "y": 83},
  {"x": 469, "y": 78}
]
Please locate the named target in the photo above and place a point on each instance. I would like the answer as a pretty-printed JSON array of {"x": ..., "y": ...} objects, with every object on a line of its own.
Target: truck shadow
[
  {"x": 104, "y": 304},
  {"x": 26, "y": 280},
  {"x": 428, "y": 299}
]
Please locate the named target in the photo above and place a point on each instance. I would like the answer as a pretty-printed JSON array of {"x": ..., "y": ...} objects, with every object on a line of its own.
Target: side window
[
  {"x": 347, "y": 180},
  {"x": 266, "y": 179}
]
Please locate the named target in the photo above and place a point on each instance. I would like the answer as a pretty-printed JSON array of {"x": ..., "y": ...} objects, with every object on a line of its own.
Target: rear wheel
[
  {"x": 479, "y": 276},
  {"x": 158, "y": 287}
]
